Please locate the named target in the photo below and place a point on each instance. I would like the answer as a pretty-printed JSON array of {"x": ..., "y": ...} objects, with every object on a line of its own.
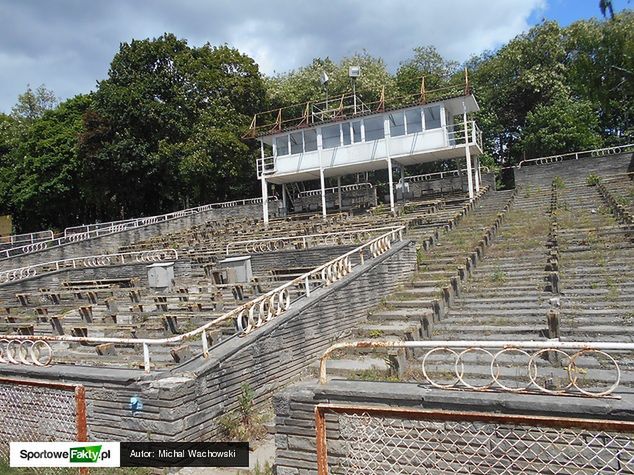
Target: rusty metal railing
[
  {"x": 380, "y": 439},
  {"x": 568, "y": 365}
]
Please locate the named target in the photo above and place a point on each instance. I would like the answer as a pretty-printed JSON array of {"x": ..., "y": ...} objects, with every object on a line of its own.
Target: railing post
[
  {"x": 205, "y": 344},
  {"x": 307, "y": 285},
  {"x": 146, "y": 357}
]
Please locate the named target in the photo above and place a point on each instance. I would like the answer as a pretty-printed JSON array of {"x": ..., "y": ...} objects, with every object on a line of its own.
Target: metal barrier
[
  {"x": 334, "y": 189},
  {"x": 29, "y": 238},
  {"x": 81, "y": 233},
  {"x": 392, "y": 440},
  {"x": 599, "y": 152},
  {"x": 440, "y": 175},
  {"x": 307, "y": 240},
  {"x": 247, "y": 317},
  {"x": 444, "y": 365},
  {"x": 39, "y": 411},
  {"x": 154, "y": 255}
]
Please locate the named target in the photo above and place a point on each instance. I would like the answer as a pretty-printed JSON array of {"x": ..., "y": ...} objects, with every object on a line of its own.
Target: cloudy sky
[{"x": 68, "y": 44}]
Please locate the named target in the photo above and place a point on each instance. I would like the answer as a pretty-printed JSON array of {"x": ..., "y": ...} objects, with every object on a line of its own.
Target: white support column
[
  {"x": 284, "y": 196},
  {"x": 265, "y": 191},
  {"x": 321, "y": 173},
  {"x": 467, "y": 152},
  {"x": 265, "y": 201},
  {"x": 386, "y": 131},
  {"x": 479, "y": 174},
  {"x": 476, "y": 173},
  {"x": 339, "y": 192}
]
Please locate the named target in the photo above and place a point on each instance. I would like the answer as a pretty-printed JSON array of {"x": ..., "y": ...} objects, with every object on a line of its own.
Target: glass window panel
[
  {"x": 414, "y": 121},
  {"x": 356, "y": 131},
  {"x": 397, "y": 124},
  {"x": 296, "y": 142},
  {"x": 310, "y": 140},
  {"x": 373, "y": 128},
  {"x": 345, "y": 127},
  {"x": 330, "y": 136},
  {"x": 432, "y": 117},
  {"x": 282, "y": 145}
]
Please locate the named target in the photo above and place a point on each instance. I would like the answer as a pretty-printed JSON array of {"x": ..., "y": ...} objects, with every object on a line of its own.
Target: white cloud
[{"x": 68, "y": 44}]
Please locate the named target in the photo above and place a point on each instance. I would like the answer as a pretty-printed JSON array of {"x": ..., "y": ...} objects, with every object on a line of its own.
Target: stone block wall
[
  {"x": 447, "y": 185},
  {"x": 573, "y": 170}
]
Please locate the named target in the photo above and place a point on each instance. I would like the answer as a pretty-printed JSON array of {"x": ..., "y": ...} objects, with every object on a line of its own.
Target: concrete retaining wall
[
  {"x": 361, "y": 198},
  {"x": 447, "y": 185},
  {"x": 574, "y": 170},
  {"x": 185, "y": 403}
]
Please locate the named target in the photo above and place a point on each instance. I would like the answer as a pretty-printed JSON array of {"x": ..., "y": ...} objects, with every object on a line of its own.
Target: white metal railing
[
  {"x": 89, "y": 231},
  {"x": 456, "y": 134},
  {"x": 305, "y": 241},
  {"x": 28, "y": 238},
  {"x": 155, "y": 255},
  {"x": 334, "y": 189},
  {"x": 266, "y": 166},
  {"x": 598, "y": 152},
  {"x": 576, "y": 359},
  {"x": 440, "y": 175},
  {"x": 36, "y": 350}
]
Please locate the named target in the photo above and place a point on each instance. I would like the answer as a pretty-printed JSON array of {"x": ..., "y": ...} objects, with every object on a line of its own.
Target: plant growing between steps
[
  {"x": 558, "y": 183},
  {"x": 245, "y": 423},
  {"x": 593, "y": 180}
]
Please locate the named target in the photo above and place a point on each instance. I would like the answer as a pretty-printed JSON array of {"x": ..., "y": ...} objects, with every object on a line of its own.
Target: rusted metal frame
[
  {"x": 80, "y": 401},
  {"x": 39, "y": 384},
  {"x": 423, "y": 98},
  {"x": 475, "y": 416},
  {"x": 454, "y": 416}
]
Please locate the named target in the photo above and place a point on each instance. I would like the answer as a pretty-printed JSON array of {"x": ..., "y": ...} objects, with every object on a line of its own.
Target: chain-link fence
[
  {"x": 35, "y": 411},
  {"x": 396, "y": 441}
]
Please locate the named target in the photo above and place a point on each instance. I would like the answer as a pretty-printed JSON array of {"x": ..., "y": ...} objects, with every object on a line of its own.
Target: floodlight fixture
[
  {"x": 324, "y": 78},
  {"x": 354, "y": 71}
]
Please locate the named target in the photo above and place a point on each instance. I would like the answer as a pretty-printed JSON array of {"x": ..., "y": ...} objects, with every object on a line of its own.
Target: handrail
[
  {"x": 101, "y": 229},
  {"x": 103, "y": 260},
  {"x": 305, "y": 240},
  {"x": 333, "y": 189},
  {"x": 552, "y": 347},
  {"x": 35, "y": 350},
  {"x": 135, "y": 222},
  {"x": 27, "y": 237},
  {"x": 597, "y": 152},
  {"x": 440, "y": 175}
]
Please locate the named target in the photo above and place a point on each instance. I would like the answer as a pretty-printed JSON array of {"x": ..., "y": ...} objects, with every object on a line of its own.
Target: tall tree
[
  {"x": 32, "y": 104},
  {"x": 156, "y": 95}
]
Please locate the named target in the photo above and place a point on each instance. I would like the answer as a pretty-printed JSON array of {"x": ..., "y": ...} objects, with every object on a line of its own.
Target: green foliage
[
  {"x": 593, "y": 180},
  {"x": 166, "y": 125},
  {"x": 558, "y": 183},
  {"x": 243, "y": 424},
  {"x": 428, "y": 62},
  {"x": 31, "y": 104},
  {"x": 561, "y": 126}
]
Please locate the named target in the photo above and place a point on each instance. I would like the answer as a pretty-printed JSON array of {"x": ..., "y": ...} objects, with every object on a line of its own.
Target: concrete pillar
[
  {"x": 386, "y": 131},
  {"x": 323, "y": 191},
  {"x": 320, "y": 144},
  {"x": 339, "y": 191},
  {"x": 265, "y": 191},
  {"x": 284, "y": 196},
  {"x": 467, "y": 152},
  {"x": 476, "y": 173},
  {"x": 265, "y": 201}
]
